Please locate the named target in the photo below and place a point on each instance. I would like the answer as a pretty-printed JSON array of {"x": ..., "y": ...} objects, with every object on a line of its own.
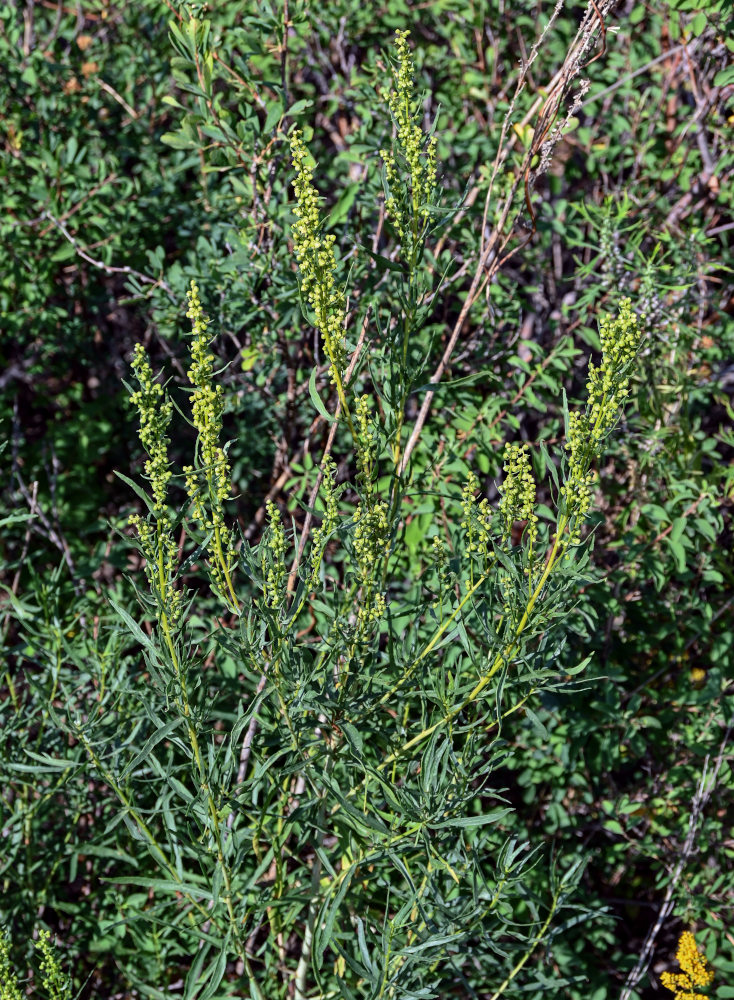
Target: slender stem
[
  {"x": 432, "y": 642},
  {"x": 533, "y": 945},
  {"x": 153, "y": 844},
  {"x": 502, "y": 657},
  {"x": 225, "y": 567},
  {"x": 182, "y": 701},
  {"x": 304, "y": 960},
  {"x": 13, "y": 692}
]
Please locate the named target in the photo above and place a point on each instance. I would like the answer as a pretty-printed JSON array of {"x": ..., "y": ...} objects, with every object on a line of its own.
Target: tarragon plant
[{"x": 328, "y": 816}]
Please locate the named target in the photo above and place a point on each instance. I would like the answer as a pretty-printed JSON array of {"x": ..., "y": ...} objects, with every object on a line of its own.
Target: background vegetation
[{"x": 139, "y": 153}]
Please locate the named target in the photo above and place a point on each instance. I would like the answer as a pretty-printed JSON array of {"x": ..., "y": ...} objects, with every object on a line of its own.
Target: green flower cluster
[
  {"x": 207, "y": 404},
  {"x": 607, "y": 386},
  {"x": 371, "y": 537},
  {"x": 155, "y": 410},
  {"x": 161, "y": 561},
  {"x": 317, "y": 263},
  {"x": 56, "y": 984},
  {"x": 9, "y": 987},
  {"x": 366, "y": 446},
  {"x": 468, "y": 504},
  {"x": 476, "y": 523},
  {"x": 329, "y": 498},
  {"x": 209, "y": 483},
  {"x": 518, "y": 492},
  {"x": 274, "y": 571},
  {"x": 409, "y": 213},
  {"x": 441, "y": 563},
  {"x": 371, "y": 545},
  {"x": 157, "y": 543}
]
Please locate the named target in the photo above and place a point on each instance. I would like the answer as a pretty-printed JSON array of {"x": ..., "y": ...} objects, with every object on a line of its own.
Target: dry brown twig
[{"x": 107, "y": 268}]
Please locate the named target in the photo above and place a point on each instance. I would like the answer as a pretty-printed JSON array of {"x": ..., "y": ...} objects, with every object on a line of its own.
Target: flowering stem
[
  {"x": 182, "y": 701},
  {"x": 225, "y": 567}
]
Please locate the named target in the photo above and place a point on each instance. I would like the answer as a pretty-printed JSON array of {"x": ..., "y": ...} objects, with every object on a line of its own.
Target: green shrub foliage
[{"x": 366, "y": 595}]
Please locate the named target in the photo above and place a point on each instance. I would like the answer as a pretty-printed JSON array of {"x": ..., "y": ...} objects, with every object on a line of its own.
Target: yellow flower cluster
[
  {"x": 317, "y": 261},
  {"x": 408, "y": 213},
  {"x": 209, "y": 483},
  {"x": 155, "y": 411},
  {"x": 518, "y": 492},
  {"x": 696, "y": 974},
  {"x": 607, "y": 386}
]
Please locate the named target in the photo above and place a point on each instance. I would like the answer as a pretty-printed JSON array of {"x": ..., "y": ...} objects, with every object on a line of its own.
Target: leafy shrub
[{"x": 299, "y": 767}]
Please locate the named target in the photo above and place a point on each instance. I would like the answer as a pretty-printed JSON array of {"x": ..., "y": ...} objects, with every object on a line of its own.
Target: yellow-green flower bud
[
  {"x": 155, "y": 411},
  {"x": 317, "y": 262},
  {"x": 209, "y": 484},
  {"x": 518, "y": 492}
]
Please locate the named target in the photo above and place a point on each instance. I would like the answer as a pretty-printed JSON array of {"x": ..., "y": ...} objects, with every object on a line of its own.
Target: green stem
[
  {"x": 534, "y": 944},
  {"x": 428, "y": 648},
  {"x": 182, "y": 702},
  {"x": 503, "y": 656},
  {"x": 13, "y": 692},
  {"x": 140, "y": 823},
  {"x": 304, "y": 960},
  {"x": 225, "y": 567}
]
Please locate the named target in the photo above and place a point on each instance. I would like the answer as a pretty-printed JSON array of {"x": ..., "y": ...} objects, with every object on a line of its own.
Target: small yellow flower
[
  {"x": 698, "y": 677},
  {"x": 696, "y": 974}
]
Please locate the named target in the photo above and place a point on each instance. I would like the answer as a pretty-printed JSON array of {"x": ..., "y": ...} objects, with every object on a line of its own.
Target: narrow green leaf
[
  {"x": 316, "y": 399},
  {"x": 383, "y": 263},
  {"x": 139, "y": 492},
  {"x": 217, "y": 971},
  {"x": 163, "y": 885},
  {"x": 135, "y": 629},
  {"x": 324, "y": 928},
  {"x": 157, "y": 736}
]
